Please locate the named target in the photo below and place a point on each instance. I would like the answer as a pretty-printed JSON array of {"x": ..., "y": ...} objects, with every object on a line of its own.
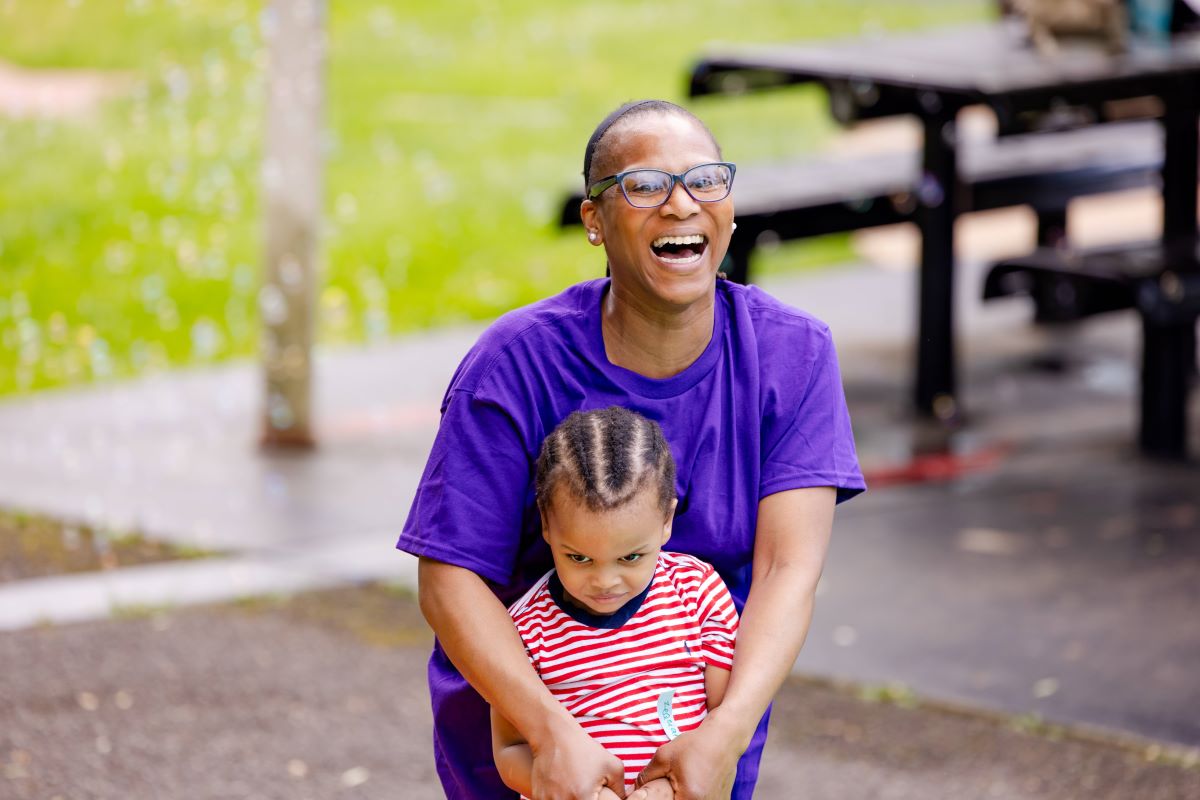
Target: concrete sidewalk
[{"x": 1058, "y": 578}]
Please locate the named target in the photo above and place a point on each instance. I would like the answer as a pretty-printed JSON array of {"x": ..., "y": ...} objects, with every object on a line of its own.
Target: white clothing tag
[{"x": 666, "y": 716}]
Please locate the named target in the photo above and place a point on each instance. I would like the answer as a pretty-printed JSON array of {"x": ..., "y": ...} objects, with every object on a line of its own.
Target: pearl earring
[
  {"x": 591, "y": 236},
  {"x": 733, "y": 226}
]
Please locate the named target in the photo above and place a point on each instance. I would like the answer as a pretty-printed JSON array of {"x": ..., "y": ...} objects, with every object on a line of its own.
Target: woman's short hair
[
  {"x": 604, "y": 458},
  {"x": 637, "y": 108}
]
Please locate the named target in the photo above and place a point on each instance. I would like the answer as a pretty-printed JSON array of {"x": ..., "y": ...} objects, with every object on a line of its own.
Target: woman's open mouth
[{"x": 680, "y": 249}]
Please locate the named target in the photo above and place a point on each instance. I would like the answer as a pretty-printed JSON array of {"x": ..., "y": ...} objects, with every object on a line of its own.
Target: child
[{"x": 635, "y": 642}]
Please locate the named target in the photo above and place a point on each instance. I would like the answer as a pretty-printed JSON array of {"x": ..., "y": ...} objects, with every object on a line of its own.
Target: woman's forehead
[{"x": 665, "y": 141}]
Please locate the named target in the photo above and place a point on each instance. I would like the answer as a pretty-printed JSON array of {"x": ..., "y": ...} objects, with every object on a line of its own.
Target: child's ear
[
  {"x": 670, "y": 521},
  {"x": 545, "y": 525}
]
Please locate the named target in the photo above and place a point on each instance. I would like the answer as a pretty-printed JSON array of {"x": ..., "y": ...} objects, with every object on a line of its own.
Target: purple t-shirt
[{"x": 760, "y": 411}]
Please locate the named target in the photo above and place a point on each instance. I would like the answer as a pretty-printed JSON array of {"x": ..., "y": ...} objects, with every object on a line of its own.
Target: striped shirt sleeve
[{"x": 718, "y": 621}]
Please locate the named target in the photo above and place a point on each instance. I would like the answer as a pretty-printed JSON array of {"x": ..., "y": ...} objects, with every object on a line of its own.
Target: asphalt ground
[
  {"x": 1038, "y": 566},
  {"x": 323, "y": 696}
]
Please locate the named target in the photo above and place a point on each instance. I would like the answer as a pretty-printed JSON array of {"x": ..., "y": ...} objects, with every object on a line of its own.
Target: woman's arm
[
  {"x": 791, "y": 539},
  {"x": 478, "y": 635}
]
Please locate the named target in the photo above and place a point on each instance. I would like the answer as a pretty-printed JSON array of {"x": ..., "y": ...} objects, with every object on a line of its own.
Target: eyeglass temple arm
[{"x": 599, "y": 187}]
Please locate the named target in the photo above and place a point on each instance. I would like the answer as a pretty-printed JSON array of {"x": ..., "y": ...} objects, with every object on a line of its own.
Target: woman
[{"x": 748, "y": 393}]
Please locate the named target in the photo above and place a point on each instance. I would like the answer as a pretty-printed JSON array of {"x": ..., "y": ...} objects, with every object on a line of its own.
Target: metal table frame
[{"x": 933, "y": 75}]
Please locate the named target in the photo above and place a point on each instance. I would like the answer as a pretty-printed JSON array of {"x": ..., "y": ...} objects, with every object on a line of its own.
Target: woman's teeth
[
  {"x": 679, "y": 249},
  {"x": 695, "y": 238}
]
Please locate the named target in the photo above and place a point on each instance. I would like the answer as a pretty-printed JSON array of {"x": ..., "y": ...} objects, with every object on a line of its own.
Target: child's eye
[
  {"x": 578, "y": 559},
  {"x": 632, "y": 557}
]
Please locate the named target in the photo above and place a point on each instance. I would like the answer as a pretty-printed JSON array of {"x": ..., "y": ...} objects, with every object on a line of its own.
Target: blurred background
[{"x": 130, "y": 222}]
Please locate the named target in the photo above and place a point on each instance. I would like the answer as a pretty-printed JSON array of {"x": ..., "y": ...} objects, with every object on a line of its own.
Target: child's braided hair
[{"x": 604, "y": 458}]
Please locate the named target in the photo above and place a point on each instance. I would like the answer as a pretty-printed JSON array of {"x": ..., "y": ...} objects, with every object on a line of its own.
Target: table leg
[
  {"x": 1179, "y": 169},
  {"x": 1169, "y": 351},
  {"x": 1051, "y": 227},
  {"x": 938, "y": 197}
]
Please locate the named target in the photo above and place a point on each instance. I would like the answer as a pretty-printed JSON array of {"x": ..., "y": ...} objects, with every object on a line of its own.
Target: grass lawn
[
  {"x": 129, "y": 239},
  {"x": 33, "y": 546}
]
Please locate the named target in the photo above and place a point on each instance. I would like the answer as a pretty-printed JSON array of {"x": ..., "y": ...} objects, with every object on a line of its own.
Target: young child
[{"x": 636, "y": 643}]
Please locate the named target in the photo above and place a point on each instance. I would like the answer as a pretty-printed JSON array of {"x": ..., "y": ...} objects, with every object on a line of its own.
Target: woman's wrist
[
  {"x": 736, "y": 728},
  {"x": 551, "y": 723}
]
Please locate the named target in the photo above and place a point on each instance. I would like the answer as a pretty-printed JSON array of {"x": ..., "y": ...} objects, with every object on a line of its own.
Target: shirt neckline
[
  {"x": 635, "y": 382},
  {"x": 585, "y": 617}
]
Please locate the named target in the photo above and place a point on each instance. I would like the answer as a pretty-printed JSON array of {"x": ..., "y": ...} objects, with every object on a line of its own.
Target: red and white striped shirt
[{"x": 615, "y": 679}]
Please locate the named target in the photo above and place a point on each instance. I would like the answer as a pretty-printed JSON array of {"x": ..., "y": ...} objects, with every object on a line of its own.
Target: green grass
[
  {"x": 130, "y": 240},
  {"x": 33, "y": 546}
]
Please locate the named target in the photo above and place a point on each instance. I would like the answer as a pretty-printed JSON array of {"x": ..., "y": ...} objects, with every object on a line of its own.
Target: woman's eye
[
  {"x": 644, "y": 184},
  {"x": 578, "y": 559},
  {"x": 632, "y": 557}
]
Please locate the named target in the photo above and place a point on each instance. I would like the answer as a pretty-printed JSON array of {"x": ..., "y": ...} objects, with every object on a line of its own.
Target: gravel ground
[{"x": 323, "y": 696}]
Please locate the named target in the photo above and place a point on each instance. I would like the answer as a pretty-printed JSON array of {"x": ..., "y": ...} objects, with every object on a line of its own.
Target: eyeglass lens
[{"x": 706, "y": 183}]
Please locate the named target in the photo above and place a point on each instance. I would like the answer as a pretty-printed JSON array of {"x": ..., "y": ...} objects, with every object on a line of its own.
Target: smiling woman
[
  {"x": 747, "y": 392},
  {"x": 663, "y": 245}
]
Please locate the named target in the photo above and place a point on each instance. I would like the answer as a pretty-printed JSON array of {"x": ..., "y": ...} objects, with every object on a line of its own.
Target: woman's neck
[{"x": 654, "y": 342}]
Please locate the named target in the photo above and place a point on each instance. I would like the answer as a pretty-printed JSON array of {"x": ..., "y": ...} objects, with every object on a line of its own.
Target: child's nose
[{"x": 605, "y": 580}]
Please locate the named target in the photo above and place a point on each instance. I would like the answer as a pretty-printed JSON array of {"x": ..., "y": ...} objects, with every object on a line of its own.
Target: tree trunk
[{"x": 292, "y": 199}]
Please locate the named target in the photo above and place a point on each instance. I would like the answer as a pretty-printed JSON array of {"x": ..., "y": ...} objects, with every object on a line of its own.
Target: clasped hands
[{"x": 699, "y": 765}]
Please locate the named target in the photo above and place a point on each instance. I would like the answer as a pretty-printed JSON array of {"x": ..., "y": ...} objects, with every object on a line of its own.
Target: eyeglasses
[{"x": 650, "y": 188}]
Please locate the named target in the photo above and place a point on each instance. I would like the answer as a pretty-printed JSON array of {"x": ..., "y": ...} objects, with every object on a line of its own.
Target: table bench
[
  {"x": 815, "y": 196},
  {"x": 1161, "y": 281}
]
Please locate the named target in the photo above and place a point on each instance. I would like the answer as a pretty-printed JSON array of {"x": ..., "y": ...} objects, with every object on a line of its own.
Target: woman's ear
[{"x": 590, "y": 215}]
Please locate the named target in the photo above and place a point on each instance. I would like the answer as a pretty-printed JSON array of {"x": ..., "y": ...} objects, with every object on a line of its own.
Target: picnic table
[{"x": 933, "y": 75}]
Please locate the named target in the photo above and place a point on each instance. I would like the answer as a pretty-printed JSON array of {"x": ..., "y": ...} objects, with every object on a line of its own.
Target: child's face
[{"x": 605, "y": 558}]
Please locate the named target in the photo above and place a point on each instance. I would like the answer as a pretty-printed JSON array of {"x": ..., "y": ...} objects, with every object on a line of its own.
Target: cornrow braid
[{"x": 604, "y": 458}]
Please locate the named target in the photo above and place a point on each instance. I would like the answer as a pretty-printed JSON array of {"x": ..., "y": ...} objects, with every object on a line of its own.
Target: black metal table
[{"x": 933, "y": 75}]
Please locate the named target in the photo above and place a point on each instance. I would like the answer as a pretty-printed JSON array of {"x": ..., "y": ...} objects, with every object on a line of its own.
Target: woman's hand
[
  {"x": 699, "y": 765},
  {"x": 573, "y": 766}
]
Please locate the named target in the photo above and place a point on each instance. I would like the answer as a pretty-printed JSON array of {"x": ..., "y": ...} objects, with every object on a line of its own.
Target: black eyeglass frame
[{"x": 604, "y": 184}]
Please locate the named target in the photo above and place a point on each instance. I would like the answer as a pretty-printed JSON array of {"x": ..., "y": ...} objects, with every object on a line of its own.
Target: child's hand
[
  {"x": 657, "y": 789},
  {"x": 607, "y": 794}
]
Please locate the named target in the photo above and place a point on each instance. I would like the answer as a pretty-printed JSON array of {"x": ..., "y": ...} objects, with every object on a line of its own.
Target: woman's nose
[{"x": 680, "y": 203}]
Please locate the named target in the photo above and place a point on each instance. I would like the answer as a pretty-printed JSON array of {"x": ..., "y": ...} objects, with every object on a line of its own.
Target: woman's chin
[
  {"x": 674, "y": 284},
  {"x": 678, "y": 285}
]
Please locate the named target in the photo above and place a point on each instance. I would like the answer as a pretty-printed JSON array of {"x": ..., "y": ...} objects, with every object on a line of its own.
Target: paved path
[{"x": 324, "y": 697}]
